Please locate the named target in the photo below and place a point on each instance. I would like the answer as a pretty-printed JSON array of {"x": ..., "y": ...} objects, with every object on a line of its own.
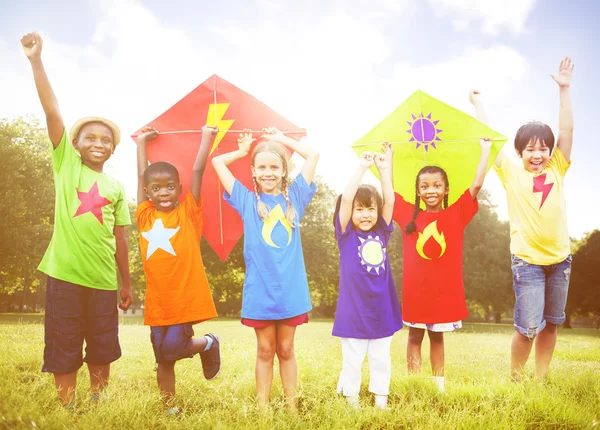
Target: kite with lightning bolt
[
  {"x": 214, "y": 102},
  {"x": 425, "y": 131}
]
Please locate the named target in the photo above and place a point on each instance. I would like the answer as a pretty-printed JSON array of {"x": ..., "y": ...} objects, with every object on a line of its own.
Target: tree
[
  {"x": 27, "y": 211},
  {"x": 584, "y": 288}
]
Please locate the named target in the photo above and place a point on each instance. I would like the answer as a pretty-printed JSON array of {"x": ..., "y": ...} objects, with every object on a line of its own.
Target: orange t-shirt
[{"x": 176, "y": 286}]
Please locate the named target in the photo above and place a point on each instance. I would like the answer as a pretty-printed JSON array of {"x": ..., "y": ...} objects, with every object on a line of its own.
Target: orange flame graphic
[{"x": 429, "y": 232}]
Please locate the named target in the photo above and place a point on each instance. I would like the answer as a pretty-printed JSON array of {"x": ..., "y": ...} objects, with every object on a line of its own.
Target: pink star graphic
[{"x": 92, "y": 202}]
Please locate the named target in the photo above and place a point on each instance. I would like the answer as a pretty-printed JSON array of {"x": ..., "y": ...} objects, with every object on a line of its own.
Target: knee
[
  {"x": 415, "y": 336},
  {"x": 266, "y": 351},
  {"x": 285, "y": 351},
  {"x": 551, "y": 328},
  {"x": 436, "y": 338}
]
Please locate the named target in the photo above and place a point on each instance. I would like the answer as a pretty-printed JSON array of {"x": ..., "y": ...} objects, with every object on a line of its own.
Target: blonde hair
[{"x": 262, "y": 208}]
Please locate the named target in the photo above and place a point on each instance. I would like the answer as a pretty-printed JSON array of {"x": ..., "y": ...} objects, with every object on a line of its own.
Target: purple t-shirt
[{"x": 367, "y": 306}]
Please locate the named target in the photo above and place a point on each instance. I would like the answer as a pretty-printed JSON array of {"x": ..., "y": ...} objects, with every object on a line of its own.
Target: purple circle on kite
[{"x": 423, "y": 130}]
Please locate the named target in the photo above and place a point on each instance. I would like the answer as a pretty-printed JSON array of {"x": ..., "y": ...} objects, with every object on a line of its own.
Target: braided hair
[
  {"x": 262, "y": 208},
  {"x": 411, "y": 227}
]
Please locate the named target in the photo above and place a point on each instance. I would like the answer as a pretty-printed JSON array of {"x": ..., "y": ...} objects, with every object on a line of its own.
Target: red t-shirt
[{"x": 432, "y": 284}]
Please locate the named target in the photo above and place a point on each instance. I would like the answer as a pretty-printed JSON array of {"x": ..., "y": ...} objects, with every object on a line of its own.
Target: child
[
  {"x": 90, "y": 214},
  {"x": 432, "y": 286},
  {"x": 368, "y": 313},
  {"x": 275, "y": 298},
  {"x": 539, "y": 240},
  {"x": 177, "y": 292}
]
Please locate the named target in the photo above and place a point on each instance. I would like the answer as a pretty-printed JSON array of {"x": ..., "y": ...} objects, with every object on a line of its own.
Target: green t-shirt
[{"x": 88, "y": 206}]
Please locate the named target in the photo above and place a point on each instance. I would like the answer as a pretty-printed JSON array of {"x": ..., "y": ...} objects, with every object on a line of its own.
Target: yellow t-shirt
[{"x": 537, "y": 210}]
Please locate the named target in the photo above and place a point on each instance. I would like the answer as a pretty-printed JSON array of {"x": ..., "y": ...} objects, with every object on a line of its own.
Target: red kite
[{"x": 214, "y": 102}]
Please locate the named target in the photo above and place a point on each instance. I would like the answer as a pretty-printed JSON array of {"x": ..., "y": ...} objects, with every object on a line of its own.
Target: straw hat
[{"x": 81, "y": 122}]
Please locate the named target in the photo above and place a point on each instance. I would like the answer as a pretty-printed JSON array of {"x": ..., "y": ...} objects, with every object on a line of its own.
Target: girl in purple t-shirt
[{"x": 368, "y": 313}]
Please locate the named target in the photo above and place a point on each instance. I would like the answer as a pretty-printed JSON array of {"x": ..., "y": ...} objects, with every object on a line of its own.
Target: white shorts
[{"x": 437, "y": 327}]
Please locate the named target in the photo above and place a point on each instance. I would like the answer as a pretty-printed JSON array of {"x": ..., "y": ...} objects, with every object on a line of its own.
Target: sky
[{"x": 336, "y": 68}]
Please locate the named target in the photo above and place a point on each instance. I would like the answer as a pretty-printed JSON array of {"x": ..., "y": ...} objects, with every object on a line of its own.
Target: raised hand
[
  {"x": 474, "y": 97},
  {"x": 245, "y": 140},
  {"x": 147, "y": 134},
  {"x": 366, "y": 159},
  {"x": 565, "y": 73},
  {"x": 380, "y": 160},
  {"x": 485, "y": 143},
  {"x": 209, "y": 130},
  {"x": 272, "y": 134},
  {"x": 387, "y": 149},
  {"x": 32, "y": 45}
]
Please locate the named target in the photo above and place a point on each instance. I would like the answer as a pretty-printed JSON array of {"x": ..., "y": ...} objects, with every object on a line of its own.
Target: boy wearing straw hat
[{"x": 87, "y": 246}]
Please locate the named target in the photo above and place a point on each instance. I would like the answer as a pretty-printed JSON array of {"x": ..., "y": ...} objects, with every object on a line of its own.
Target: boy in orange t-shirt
[{"x": 177, "y": 291}]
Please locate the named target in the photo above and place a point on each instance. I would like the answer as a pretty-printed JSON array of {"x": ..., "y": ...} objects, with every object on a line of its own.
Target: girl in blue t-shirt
[
  {"x": 368, "y": 313},
  {"x": 275, "y": 298}
]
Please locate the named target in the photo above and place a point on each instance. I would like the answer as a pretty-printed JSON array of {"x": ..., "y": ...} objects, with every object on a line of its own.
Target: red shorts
[{"x": 293, "y": 321}]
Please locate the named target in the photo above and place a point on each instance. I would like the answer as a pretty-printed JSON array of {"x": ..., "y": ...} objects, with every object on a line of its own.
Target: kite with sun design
[
  {"x": 214, "y": 102},
  {"x": 425, "y": 131}
]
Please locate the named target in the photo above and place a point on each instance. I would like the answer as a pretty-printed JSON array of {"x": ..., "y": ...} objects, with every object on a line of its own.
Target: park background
[{"x": 336, "y": 68}]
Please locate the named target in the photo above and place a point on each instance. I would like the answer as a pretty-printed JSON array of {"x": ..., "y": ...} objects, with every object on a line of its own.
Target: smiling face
[
  {"x": 95, "y": 144},
  {"x": 268, "y": 170},
  {"x": 535, "y": 156},
  {"x": 432, "y": 188},
  {"x": 364, "y": 217},
  {"x": 163, "y": 189}
]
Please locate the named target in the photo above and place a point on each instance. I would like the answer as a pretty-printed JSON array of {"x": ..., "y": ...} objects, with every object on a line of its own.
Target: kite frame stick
[
  {"x": 302, "y": 130},
  {"x": 404, "y": 142},
  {"x": 217, "y": 148}
]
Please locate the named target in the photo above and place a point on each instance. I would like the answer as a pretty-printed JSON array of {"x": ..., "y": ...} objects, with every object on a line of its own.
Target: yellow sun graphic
[{"x": 372, "y": 253}]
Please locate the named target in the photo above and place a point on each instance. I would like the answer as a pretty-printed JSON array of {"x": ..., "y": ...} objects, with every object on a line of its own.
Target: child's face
[
  {"x": 268, "y": 171},
  {"x": 163, "y": 189},
  {"x": 535, "y": 156},
  {"x": 432, "y": 189},
  {"x": 94, "y": 143},
  {"x": 364, "y": 218}
]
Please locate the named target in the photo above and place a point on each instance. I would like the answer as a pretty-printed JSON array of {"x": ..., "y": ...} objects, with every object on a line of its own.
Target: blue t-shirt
[
  {"x": 275, "y": 285},
  {"x": 367, "y": 306}
]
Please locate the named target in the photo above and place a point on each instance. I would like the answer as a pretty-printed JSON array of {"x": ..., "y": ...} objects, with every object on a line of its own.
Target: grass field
[{"x": 479, "y": 393}]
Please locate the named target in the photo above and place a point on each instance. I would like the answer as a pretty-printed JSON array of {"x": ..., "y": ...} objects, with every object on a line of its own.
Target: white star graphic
[{"x": 159, "y": 237}]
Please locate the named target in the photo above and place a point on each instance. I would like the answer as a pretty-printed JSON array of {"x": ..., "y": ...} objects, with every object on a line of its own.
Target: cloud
[{"x": 493, "y": 14}]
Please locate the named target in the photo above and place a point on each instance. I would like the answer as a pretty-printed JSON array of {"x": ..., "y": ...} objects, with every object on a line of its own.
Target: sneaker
[{"x": 211, "y": 359}]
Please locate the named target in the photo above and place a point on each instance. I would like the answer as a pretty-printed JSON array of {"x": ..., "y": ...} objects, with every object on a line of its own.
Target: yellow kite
[{"x": 425, "y": 131}]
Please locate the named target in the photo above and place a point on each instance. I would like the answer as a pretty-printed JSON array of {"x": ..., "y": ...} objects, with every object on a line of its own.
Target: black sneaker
[{"x": 211, "y": 359}]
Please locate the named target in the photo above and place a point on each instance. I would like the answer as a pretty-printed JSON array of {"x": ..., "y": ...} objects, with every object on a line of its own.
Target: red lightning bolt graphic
[{"x": 539, "y": 186}]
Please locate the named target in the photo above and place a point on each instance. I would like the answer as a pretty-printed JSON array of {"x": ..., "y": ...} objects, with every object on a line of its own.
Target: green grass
[{"x": 478, "y": 394}]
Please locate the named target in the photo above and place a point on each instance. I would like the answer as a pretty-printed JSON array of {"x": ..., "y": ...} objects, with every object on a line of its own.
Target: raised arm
[
  {"x": 345, "y": 215},
  {"x": 32, "y": 45},
  {"x": 148, "y": 134},
  {"x": 310, "y": 154},
  {"x": 208, "y": 132},
  {"x": 565, "y": 116},
  {"x": 222, "y": 162},
  {"x": 387, "y": 188},
  {"x": 475, "y": 99},
  {"x": 486, "y": 147}
]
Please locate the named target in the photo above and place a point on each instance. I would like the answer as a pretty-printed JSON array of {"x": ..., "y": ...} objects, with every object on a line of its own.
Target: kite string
[{"x": 217, "y": 148}]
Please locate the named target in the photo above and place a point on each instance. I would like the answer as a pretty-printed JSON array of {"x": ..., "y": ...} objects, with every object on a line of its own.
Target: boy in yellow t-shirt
[{"x": 539, "y": 240}]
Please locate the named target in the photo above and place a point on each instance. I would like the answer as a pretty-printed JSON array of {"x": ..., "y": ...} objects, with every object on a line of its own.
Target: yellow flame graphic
[
  {"x": 223, "y": 125},
  {"x": 275, "y": 216},
  {"x": 429, "y": 232}
]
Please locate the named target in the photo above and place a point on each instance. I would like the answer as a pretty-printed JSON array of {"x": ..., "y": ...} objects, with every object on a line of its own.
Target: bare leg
[
  {"x": 544, "y": 348},
  {"x": 198, "y": 344},
  {"x": 165, "y": 376},
  {"x": 266, "y": 338},
  {"x": 519, "y": 353},
  {"x": 65, "y": 387},
  {"x": 436, "y": 355},
  {"x": 99, "y": 374},
  {"x": 288, "y": 367},
  {"x": 413, "y": 349}
]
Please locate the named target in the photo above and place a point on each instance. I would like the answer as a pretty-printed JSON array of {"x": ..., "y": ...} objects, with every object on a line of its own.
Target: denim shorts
[
  {"x": 172, "y": 342},
  {"x": 73, "y": 314},
  {"x": 541, "y": 294}
]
